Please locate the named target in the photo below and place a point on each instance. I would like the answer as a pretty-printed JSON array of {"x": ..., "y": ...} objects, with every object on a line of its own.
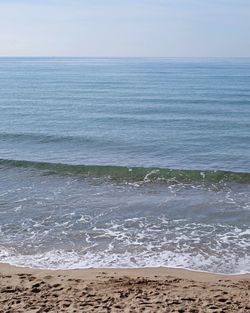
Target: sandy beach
[{"x": 121, "y": 290}]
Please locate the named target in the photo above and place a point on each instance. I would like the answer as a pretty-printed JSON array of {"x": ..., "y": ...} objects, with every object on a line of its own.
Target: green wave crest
[{"x": 132, "y": 173}]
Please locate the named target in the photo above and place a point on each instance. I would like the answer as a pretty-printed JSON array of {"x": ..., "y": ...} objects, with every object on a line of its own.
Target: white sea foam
[
  {"x": 136, "y": 242},
  {"x": 59, "y": 259}
]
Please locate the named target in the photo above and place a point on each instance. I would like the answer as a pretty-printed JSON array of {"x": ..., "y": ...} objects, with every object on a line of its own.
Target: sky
[{"x": 125, "y": 28}]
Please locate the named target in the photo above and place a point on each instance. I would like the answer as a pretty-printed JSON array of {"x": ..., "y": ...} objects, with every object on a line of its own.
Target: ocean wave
[
  {"x": 44, "y": 138},
  {"x": 134, "y": 174}
]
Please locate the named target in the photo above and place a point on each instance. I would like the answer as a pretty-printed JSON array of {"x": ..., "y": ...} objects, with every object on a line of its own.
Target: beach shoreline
[{"x": 121, "y": 290}]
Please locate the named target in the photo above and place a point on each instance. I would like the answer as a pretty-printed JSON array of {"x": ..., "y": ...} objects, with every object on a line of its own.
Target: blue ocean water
[{"x": 125, "y": 162}]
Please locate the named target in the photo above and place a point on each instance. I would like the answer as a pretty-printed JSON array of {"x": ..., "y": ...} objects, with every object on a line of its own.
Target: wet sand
[{"x": 121, "y": 290}]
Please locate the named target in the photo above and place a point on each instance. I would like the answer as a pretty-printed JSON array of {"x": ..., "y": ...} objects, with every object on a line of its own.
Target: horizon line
[{"x": 126, "y": 57}]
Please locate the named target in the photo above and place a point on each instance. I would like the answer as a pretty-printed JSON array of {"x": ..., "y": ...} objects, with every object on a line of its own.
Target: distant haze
[{"x": 151, "y": 28}]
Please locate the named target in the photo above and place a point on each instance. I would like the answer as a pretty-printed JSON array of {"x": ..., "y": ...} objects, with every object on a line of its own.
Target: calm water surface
[{"x": 125, "y": 163}]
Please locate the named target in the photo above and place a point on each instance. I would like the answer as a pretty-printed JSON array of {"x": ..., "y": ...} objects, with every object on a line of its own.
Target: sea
[{"x": 125, "y": 162}]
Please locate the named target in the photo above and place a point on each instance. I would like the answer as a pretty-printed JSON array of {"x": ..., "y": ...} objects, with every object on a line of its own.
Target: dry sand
[{"x": 121, "y": 290}]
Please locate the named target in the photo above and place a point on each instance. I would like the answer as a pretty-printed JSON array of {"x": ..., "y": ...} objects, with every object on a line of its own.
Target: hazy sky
[{"x": 125, "y": 28}]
